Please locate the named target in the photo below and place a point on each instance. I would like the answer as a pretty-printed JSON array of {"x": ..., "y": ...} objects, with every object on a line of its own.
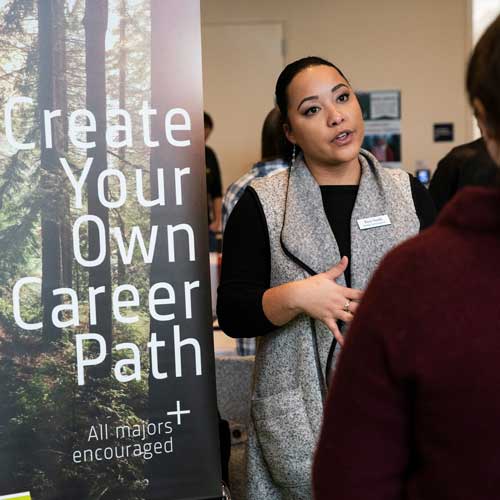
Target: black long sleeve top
[{"x": 246, "y": 261}]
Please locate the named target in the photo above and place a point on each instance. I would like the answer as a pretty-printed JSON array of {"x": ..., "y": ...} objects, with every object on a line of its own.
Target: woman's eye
[
  {"x": 312, "y": 110},
  {"x": 343, "y": 97}
]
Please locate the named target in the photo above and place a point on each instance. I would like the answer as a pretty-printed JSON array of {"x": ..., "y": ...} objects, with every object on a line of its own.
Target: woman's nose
[{"x": 334, "y": 116}]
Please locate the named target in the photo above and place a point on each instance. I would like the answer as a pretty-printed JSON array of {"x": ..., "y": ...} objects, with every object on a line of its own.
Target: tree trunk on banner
[
  {"x": 50, "y": 93},
  {"x": 95, "y": 23}
]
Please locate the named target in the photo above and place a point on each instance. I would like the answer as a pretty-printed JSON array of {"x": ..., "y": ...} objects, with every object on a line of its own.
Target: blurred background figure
[
  {"x": 465, "y": 165},
  {"x": 273, "y": 159},
  {"x": 413, "y": 411},
  {"x": 214, "y": 188}
]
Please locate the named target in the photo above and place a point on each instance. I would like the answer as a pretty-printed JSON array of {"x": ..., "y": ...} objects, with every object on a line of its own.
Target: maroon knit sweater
[{"x": 414, "y": 410}]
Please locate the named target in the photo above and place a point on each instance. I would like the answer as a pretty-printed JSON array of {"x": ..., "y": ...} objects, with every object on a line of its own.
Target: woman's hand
[
  {"x": 322, "y": 298},
  {"x": 318, "y": 296}
]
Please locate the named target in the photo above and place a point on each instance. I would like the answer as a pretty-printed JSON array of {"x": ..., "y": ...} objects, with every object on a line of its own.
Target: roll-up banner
[{"x": 106, "y": 351}]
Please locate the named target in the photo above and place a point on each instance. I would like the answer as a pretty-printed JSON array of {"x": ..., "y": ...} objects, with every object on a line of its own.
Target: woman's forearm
[{"x": 281, "y": 303}]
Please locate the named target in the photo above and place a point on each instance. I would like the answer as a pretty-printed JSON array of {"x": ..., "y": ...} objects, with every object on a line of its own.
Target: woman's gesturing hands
[{"x": 320, "y": 297}]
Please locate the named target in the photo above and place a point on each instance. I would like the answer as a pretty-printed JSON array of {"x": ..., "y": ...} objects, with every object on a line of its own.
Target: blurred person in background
[
  {"x": 466, "y": 165},
  {"x": 273, "y": 154},
  {"x": 214, "y": 187},
  {"x": 273, "y": 159}
]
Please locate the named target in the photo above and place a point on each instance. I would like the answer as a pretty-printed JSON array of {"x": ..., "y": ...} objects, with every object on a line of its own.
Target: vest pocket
[{"x": 285, "y": 437}]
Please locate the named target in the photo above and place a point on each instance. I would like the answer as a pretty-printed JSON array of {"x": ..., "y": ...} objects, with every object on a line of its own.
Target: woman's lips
[{"x": 343, "y": 138}]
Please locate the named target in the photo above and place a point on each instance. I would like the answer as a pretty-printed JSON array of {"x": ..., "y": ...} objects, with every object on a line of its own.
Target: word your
[{"x": 122, "y": 185}]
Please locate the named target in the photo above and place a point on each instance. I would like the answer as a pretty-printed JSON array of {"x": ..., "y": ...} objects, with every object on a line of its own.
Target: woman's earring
[{"x": 293, "y": 155}]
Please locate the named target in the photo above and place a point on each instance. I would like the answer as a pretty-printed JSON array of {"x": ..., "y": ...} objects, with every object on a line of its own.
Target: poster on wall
[
  {"x": 106, "y": 350},
  {"x": 382, "y": 114}
]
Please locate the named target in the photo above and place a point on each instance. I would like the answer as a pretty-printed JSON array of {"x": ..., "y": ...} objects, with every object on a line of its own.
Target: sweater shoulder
[
  {"x": 278, "y": 180},
  {"x": 396, "y": 176},
  {"x": 271, "y": 189}
]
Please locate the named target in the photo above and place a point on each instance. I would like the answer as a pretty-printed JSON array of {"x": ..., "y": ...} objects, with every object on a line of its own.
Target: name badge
[{"x": 370, "y": 222}]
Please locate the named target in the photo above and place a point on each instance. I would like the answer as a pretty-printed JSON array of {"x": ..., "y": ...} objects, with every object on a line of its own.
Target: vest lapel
[
  {"x": 370, "y": 202},
  {"x": 306, "y": 236},
  {"x": 377, "y": 195}
]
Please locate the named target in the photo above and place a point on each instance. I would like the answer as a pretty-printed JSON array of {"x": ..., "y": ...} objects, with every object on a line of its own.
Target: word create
[{"x": 78, "y": 130}]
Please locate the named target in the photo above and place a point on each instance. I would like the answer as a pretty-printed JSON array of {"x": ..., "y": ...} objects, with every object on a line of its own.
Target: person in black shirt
[
  {"x": 214, "y": 186},
  {"x": 466, "y": 165}
]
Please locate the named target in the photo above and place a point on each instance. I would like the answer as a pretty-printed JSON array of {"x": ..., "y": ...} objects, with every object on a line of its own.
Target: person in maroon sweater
[{"x": 414, "y": 408}]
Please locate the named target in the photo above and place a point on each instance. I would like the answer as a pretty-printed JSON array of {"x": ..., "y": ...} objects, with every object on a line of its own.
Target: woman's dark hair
[
  {"x": 273, "y": 137},
  {"x": 483, "y": 75},
  {"x": 288, "y": 74}
]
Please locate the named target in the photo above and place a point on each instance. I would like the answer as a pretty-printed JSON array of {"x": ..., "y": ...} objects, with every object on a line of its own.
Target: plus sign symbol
[{"x": 178, "y": 412}]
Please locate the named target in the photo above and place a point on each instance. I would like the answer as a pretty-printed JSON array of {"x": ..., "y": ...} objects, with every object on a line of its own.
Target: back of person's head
[
  {"x": 483, "y": 86},
  {"x": 207, "y": 120},
  {"x": 209, "y": 125},
  {"x": 273, "y": 137}
]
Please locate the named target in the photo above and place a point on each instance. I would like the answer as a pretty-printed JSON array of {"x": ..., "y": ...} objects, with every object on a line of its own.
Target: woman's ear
[
  {"x": 490, "y": 138},
  {"x": 288, "y": 133}
]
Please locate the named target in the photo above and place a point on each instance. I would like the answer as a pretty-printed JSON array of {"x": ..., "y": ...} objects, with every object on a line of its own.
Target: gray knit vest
[{"x": 287, "y": 403}]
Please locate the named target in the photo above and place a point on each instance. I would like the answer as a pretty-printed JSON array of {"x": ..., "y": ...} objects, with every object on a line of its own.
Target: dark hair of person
[
  {"x": 483, "y": 75},
  {"x": 289, "y": 73},
  {"x": 273, "y": 140},
  {"x": 207, "y": 120}
]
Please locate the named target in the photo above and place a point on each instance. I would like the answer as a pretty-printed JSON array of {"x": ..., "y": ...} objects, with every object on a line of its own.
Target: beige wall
[{"x": 417, "y": 46}]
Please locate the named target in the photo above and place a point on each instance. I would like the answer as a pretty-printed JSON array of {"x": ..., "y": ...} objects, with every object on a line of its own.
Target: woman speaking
[{"x": 298, "y": 249}]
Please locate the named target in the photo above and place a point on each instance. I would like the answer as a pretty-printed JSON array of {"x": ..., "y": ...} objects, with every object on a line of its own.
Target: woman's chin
[{"x": 345, "y": 154}]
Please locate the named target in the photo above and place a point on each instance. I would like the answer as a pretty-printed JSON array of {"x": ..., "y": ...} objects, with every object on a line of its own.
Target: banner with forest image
[{"x": 106, "y": 354}]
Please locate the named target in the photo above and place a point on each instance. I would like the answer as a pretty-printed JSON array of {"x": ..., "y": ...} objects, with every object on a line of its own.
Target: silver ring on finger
[{"x": 346, "y": 306}]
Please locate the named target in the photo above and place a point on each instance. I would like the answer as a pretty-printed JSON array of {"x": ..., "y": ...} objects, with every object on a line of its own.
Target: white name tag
[{"x": 370, "y": 222}]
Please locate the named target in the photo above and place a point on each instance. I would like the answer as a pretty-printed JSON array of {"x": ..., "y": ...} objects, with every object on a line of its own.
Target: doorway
[{"x": 241, "y": 63}]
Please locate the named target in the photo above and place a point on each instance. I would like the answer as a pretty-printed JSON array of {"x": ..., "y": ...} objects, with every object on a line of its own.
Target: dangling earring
[{"x": 293, "y": 156}]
